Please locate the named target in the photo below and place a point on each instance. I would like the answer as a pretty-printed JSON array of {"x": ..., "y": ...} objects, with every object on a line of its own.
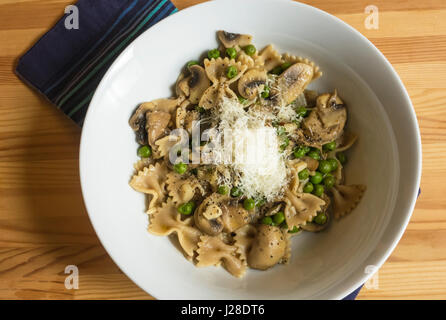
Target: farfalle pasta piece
[
  {"x": 182, "y": 188},
  {"x": 269, "y": 58},
  {"x": 181, "y": 113},
  {"x": 164, "y": 145},
  {"x": 151, "y": 180},
  {"x": 246, "y": 60},
  {"x": 185, "y": 117},
  {"x": 338, "y": 174},
  {"x": 142, "y": 163},
  {"x": 166, "y": 220},
  {"x": 317, "y": 227},
  {"x": 346, "y": 198},
  {"x": 317, "y": 73},
  {"x": 216, "y": 69},
  {"x": 301, "y": 208},
  {"x": 215, "y": 94},
  {"x": 296, "y": 166},
  {"x": 212, "y": 251},
  {"x": 243, "y": 239}
]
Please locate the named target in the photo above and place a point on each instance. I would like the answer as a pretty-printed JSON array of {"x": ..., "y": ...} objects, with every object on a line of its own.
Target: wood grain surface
[{"x": 43, "y": 223}]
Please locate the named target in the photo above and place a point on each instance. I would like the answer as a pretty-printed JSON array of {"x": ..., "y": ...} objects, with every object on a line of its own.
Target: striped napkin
[{"x": 66, "y": 65}]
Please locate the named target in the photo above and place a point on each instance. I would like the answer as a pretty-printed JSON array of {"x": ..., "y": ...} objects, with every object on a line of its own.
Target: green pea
[
  {"x": 242, "y": 100},
  {"x": 232, "y": 72},
  {"x": 302, "y": 112},
  {"x": 144, "y": 151},
  {"x": 180, "y": 168},
  {"x": 329, "y": 146},
  {"x": 187, "y": 208},
  {"x": 278, "y": 218},
  {"x": 281, "y": 130},
  {"x": 213, "y": 54},
  {"x": 308, "y": 188},
  {"x": 250, "y": 50},
  {"x": 277, "y": 70},
  {"x": 294, "y": 230},
  {"x": 301, "y": 151},
  {"x": 236, "y": 192},
  {"x": 318, "y": 190},
  {"x": 341, "y": 157},
  {"x": 304, "y": 174},
  {"x": 333, "y": 163},
  {"x": 267, "y": 220},
  {"x": 199, "y": 109},
  {"x": 265, "y": 93},
  {"x": 223, "y": 190},
  {"x": 249, "y": 204},
  {"x": 192, "y": 63},
  {"x": 317, "y": 178},
  {"x": 321, "y": 218},
  {"x": 325, "y": 166},
  {"x": 285, "y": 65},
  {"x": 260, "y": 202},
  {"x": 329, "y": 181},
  {"x": 315, "y": 154},
  {"x": 231, "y": 52},
  {"x": 285, "y": 143}
]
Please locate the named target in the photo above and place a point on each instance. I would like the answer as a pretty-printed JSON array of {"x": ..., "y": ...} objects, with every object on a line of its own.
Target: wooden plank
[{"x": 43, "y": 223}]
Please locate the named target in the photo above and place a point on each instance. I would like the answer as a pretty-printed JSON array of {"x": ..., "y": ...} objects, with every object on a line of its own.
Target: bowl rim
[{"x": 355, "y": 280}]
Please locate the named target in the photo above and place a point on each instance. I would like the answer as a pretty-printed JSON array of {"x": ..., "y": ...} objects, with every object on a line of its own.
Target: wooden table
[{"x": 43, "y": 223}]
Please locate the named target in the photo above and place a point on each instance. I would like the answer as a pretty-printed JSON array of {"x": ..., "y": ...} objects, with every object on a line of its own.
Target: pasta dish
[{"x": 244, "y": 157}]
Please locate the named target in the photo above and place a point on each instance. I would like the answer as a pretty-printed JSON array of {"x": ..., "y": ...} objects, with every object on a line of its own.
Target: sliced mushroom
[
  {"x": 272, "y": 211},
  {"x": 269, "y": 58},
  {"x": 138, "y": 123},
  {"x": 205, "y": 213},
  {"x": 250, "y": 83},
  {"x": 181, "y": 86},
  {"x": 326, "y": 122},
  {"x": 234, "y": 216},
  {"x": 229, "y": 39},
  {"x": 156, "y": 125},
  {"x": 293, "y": 81},
  {"x": 311, "y": 97},
  {"x": 312, "y": 164},
  {"x": 198, "y": 83},
  {"x": 268, "y": 247},
  {"x": 194, "y": 85}
]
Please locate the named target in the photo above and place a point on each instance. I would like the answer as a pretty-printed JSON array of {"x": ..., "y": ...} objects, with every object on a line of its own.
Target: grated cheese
[{"x": 252, "y": 149}]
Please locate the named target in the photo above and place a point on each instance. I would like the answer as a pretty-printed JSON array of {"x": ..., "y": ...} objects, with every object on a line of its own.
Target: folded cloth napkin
[{"x": 66, "y": 65}]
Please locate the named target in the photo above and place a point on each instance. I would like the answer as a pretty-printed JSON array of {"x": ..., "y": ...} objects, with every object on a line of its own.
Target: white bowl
[{"x": 387, "y": 157}]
